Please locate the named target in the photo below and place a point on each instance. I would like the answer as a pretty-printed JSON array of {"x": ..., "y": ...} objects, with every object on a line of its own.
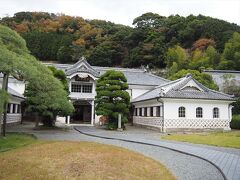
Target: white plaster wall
[
  {"x": 171, "y": 108},
  {"x": 137, "y": 90},
  {"x": 83, "y": 96},
  {"x": 18, "y": 86}
]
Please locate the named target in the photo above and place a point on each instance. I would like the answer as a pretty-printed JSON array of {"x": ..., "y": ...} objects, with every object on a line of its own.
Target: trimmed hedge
[{"x": 235, "y": 123}]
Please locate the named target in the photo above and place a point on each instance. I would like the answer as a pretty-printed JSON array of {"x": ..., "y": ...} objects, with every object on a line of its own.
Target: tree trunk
[
  {"x": 36, "y": 120},
  {"x": 5, "y": 87}
]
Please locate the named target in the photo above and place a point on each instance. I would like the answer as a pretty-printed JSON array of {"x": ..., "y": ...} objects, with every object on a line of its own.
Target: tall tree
[
  {"x": 112, "y": 97},
  {"x": 203, "y": 78},
  {"x": 231, "y": 54},
  {"x": 15, "y": 60}
]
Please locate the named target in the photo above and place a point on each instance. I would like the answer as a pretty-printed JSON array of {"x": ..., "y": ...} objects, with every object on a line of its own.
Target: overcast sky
[{"x": 124, "y": 11}]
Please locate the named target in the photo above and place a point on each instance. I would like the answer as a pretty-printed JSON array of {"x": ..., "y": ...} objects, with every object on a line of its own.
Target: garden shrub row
[{"x": 235, "y": 123}]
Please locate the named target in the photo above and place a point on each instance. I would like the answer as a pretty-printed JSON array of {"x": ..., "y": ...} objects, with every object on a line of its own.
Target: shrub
[{"x": 235, "y": 123}]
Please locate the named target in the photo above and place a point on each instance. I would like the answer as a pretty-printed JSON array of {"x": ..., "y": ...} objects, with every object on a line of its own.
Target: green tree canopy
[
  {"x": 112, "y": 97},
  {"x": 203, "y": 78},
  {"x": 45, "y": 94},
  {"x": 231, "y": 54}
]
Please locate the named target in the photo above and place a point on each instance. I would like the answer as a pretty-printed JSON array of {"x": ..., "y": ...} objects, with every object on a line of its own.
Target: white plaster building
[
  {"x": 183, "y": 104},
  {"x": 82, "y": 83},
  {"x": 15, "y": 89}
]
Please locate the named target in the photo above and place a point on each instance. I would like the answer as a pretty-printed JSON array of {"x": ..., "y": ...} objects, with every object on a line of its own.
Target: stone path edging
[{"x": 150, "y": 144}]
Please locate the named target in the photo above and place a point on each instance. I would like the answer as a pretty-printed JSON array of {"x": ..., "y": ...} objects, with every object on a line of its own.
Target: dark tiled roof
[
  {"x": 221, "y": 71},
  {"x": 134, "y": 76},
  {"x": 175, "y": 89}
]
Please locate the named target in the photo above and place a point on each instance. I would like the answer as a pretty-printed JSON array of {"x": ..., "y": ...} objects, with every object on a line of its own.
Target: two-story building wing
[{"x": 82, "y": 84}]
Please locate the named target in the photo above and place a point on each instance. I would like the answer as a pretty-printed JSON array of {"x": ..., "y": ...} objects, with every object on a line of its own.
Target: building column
[
  {"x": 92, "y": 113},
  {"x": 11, "y": 108},
  {"x": 68, "y": 120}
]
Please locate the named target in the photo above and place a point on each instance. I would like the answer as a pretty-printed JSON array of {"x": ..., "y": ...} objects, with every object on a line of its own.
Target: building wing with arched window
[{"x": 185, "y": 105}]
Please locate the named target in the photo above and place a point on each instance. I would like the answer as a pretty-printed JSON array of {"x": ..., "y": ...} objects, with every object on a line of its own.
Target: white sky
[{"x": 124, "y": 11}]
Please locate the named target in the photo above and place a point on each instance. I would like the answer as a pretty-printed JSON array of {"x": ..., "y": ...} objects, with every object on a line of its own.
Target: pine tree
[{"x": 112, "y": 97}]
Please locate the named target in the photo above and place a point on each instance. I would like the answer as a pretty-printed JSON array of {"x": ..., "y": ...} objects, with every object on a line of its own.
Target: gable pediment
[
  {"x": 191, "y": 86},
  {"x": 81, "y": 66}
]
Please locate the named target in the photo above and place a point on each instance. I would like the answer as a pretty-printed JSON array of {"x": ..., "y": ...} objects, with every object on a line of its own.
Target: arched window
[
  {"x": 199, "y": 112},
  {"x": 181, "y": 112},
  {"x": 215, "y": 112}
]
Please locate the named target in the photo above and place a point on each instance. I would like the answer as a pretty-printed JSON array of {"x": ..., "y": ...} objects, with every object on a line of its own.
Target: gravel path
[{"x": 183, "y": 166}]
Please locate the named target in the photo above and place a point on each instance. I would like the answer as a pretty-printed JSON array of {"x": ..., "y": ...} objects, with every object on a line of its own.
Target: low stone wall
[
  {"x": 149, "y": 122},
  {"x": 14, "y": 118}
]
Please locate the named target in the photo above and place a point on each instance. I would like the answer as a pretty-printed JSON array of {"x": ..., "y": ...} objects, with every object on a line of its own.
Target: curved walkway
[{"x": 227, "y": 163}]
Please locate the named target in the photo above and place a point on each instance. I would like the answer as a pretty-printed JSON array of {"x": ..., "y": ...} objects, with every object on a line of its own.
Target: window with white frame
[
  {"x": 145, "y": 111},
  {"x": 140, "y": 111},
  {"x": 81, "y": 88},
  {"x": 76, "y": 87},
  {"x": 215, "y": 112},
  {"x": 87, "y": 88},
  {"x": 136, "y": 111},
  {"x": 181, "y": 112},
  {"x": 158, "y": 111},
  {"x": 199, "y": 112},
  {"x": 151, "y": 111}
]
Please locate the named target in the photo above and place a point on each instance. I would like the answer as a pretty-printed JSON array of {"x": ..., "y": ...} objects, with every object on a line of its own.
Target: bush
[
  {"x": 235, "y": 123},
  {"x": 112, "y": 125}
]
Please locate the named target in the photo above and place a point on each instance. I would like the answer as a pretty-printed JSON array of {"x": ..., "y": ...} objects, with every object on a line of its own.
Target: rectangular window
[
  {"x": 151, "y": 111},
  {"x": 14, "y": 108},
  {"x": 9, "y": 108},
  {"x": 140, "y": 111},
  {"x": 136, "y": 111},
  {"x": 145, "y": 111},
  {"x": 76, "y": 87},
  {"x": 19, "y": 108},
  {"x": 158, "y": 111},
  {"x": 87, "y": 88}
]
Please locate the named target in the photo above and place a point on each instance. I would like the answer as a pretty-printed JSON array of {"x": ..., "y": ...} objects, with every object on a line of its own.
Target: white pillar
[
  {"x": 68, "y": 120},
  {"x": 16, "y": 108},
  {"x": 11, "y": 108},
  {"x": 92, "y": 114}
]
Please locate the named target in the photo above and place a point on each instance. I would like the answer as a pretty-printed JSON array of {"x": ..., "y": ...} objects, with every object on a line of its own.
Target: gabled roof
[
  {"x": 81, "y": 66},
  {"x": 134, "y": 76},
  {"x": 183, "y": 88}
]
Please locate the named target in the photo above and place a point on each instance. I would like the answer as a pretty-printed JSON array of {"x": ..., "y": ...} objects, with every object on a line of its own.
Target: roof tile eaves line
[
  {"x": 221, "y": 71},
  {"x": 208, "y": 89},
  {"x": 217, "y": 99},
  {"x": 169, "y": 83},
  {"x": 159, "y": 77},
  {"x": 144, "y": 93}
]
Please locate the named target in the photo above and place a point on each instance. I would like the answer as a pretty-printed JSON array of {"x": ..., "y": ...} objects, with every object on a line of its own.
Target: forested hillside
[{"x": 177, "y": 42}]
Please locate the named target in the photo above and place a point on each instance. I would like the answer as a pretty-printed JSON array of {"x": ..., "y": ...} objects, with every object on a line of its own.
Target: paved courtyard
[{"x": 185, "y": 160}]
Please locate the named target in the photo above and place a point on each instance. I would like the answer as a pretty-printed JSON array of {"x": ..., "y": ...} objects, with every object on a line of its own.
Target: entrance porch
[{"x": 84, "y": 112}]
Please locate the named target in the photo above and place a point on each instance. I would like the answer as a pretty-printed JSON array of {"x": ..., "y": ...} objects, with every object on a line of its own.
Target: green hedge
[{"x": 235, "y": 123}]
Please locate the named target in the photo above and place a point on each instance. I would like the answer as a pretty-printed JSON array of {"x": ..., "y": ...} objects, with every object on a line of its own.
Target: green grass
[
  {"x": 223, "y": 139},
  {"x": 15, "y": 140}
]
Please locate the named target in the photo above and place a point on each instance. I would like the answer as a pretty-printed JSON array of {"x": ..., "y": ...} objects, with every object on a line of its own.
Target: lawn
[
  {"x": 78, "y": 160},
  {"x": 224, "y": 139},
  {"x": 15, "y": 140}
]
